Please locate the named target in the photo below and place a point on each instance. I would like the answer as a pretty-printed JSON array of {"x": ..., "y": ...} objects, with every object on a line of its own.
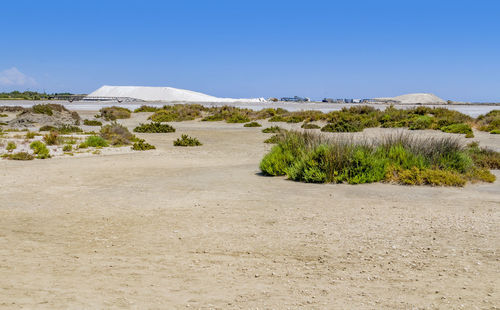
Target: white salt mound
[
  {"x": 416, "y": 98},
  {"x": 167, "y": 94}
]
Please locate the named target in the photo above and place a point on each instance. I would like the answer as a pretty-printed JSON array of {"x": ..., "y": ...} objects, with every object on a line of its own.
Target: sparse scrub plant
[
  {"x": 88, "y": 122},
  {"x": 11, "y": 146},
  {"x": 116, "y": 134},
  {"x": 252, "y": 124},
  {"x": 142, "y": 145},
  {"x": 185, "y": 140},
  {"x": 303, "y": 156},
  {"x": 155, "y": 127},
  {"x": 114, "y": 113},
  {"x": 51, "y": 138},
  {"x": 40, "y": 149},
  {"x": 273, "y": 129},
  {"x": 19, "y": 156},
  {"x": 96, "y": 141}
]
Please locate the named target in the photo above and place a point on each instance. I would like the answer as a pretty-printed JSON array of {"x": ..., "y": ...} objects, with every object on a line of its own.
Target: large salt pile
[
  {"x": 167, "y": 94},
  {"x": 417, "y": 98}
]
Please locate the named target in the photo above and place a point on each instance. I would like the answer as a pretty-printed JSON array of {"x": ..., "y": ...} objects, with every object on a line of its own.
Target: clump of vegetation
[
  {"x": 490, "y": 122},
  {"x": 252, "y": 124},
  {"x": 11, "y": 146},
  {"x": 40, "y": 149},
  {"x": 42, "y": 109},
  {"x": 309, "y": 126},
  {"x": 459, "y": 128},
  {"x": 177, "y": 113},
  {"x": 63, "y": 129},
  {"x": 19, "y": 156},
  {"x": 51, "y": 138},
  {"x": 402, "y": 159},
  {"x": 48, "y": 128},
  {"x": 114, "y": 113},
  {"x": 93, "y": 122},
  {"x": 146, "y": 108},
  {"x": 83, "y": 145},
  {"x": 3, "y": 115},
  {"x": 96, "y": 141},
  {"x": 185, "y": 140},
  {"x": 142, "y": 145},
  {"x": 116, "y": 134},
  {"x": 67, "y": 148},
  {"x": 31, "y": 134},
  {"x": 273, "y": 129},
  {"x": 273, "y": 139},
  {"x": 155, "y": 127}
]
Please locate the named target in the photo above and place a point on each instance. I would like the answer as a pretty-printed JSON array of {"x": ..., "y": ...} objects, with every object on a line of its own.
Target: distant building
[{"x": 295, "y": 99}]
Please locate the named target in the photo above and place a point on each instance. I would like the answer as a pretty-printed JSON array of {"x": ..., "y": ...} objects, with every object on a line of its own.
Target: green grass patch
[
  {"x": 403, "y": 159},
  {"x": 185, "y": 140},
  {"x": 155, "y": 127},
  {"x": 40, "y": 149},
  {"x": 252, "y": 124},
  {"x": 92, "y": 122}
]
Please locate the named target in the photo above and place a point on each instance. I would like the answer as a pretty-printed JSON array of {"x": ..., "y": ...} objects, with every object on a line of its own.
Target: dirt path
[{"x": 200, "y": 228}]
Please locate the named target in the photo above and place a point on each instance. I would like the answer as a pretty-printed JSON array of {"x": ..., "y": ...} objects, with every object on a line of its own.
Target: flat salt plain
[{"x": 200, "y": 228}]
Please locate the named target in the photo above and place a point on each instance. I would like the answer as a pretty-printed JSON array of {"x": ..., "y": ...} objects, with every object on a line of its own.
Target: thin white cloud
[{"x": 14, "y": 77}]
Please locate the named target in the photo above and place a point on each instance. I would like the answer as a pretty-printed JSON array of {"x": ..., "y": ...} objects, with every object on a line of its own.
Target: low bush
[
  {"x": 42, "y": 109},
  {"x": 83, "y": 145},
  {"x": 141, "y": 145},
  {"x": 490, "y": 122},
  {"x": 252, "y": 124},
  {"x": 308, "y": 157},
  {"x": 31, "y": 135},
  {"x": 19, "y": 156},
  {"x": 310, "y": 126},
  {"x": 96, "y": 141},
  {"x": 116, "y": 134},
  {"x": 185, "y": 140},
  {"x": 51, "y": 138},
  {"x": 273, "y": 129},
  {"x": 155, "y": 127},
  {"x": 238, "y": 118},
  {"x": 66, "y": 129},
  {"x": 67, "y": 148},
  {"x": 11, "y": 146},
  {"x": 40, "y": 149},
  {"x": 47, "y": 128},
  {"x": 273, "y": 139},
  {"x": 495, "y": 131},
  {"x": 3, "y": 115},
  {"x": 146, "y": 108},
  {"x": 459, "y": 128},
  {"x": 114, "y": 113},
  {"x": 93, "y": 122},
  {"x": 177, "y": 113}
]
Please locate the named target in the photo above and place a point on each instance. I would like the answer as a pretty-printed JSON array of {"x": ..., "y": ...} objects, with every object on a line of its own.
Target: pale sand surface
[{"x": 180, "y": 228}]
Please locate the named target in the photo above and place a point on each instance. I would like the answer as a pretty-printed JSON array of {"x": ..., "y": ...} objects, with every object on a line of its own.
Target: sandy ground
[{"x": 200, "y": 228}]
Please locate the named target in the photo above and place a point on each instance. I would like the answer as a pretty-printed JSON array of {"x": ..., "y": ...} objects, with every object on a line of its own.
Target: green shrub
[
  {"x": 420, "y": 122},
  {"x": 154, "y": 128},
  {"x": 306, "y": 157},
  {"x": 11, "y": 146},
  {"x": 31, "y": 135},
  {"x": 185, "y": 140},
  {"x": 47, "y": 128},
  {"x": 238, "y": 118},
  {"x": 273, "y": 129},
  {"x": 489, "y": 122},
  {"x": 252, "y": 124},
  {"x": 42, "y": 109},
  {"x": 177, "y": 113},
  {"x": 67, "y": 148},
  {"x": 114, "y": 113},
  {"x": 342, "y": 126},
  {"x": 309, "y": 126},
  {"x": 459, "y": 128},
  {"x": 273, "y": 139},
  {"x": 19, "y": 156},
  {"x": 141, "y": 145},
  {"x": 116, "y": 134},
  {"x": 83, "y": 145},
  {"x": 93, "y": 122},
  {"x": 495, "y": 131},
  {"x": 96, "y": 141},
  {"x": 145, "y": 108},
  {"x": 3, "y": 115},
  {"x": 51, "y": 138},
  {"x": 40, "y": 149},
  {"x": 66, "y": 129}
]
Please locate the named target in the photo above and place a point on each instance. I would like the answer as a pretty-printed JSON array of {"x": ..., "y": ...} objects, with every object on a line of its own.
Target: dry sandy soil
[{"x": 180, "y": 228}]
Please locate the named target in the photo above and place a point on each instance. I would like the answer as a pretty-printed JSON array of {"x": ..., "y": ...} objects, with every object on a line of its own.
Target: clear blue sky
[{"x": 255, "y": 48}]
